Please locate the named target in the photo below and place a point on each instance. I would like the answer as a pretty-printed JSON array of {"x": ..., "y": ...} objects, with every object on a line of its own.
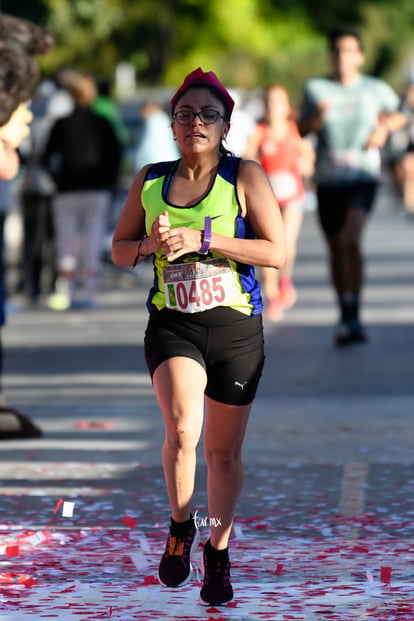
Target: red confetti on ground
[
  {"x": 94, "y": 425},
  {"x": 58, "y": 505},
  {"x": 150, "y": 580},
  {"x": 28, "y": 581},
  {"x": 12, "y": 577},
  {"x": 326, "y": 578},
  {"x": 129, "y": 521},
  {"x": 386, "y": 574},
  {"x": 12, "y": 550}
]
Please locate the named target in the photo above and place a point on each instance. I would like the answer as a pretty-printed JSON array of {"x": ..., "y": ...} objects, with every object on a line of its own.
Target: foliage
[{"x": 247, "y": 42}]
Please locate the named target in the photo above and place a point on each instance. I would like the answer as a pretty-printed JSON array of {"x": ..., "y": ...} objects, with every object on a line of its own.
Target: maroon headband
[{"x": 198, "y": 77}]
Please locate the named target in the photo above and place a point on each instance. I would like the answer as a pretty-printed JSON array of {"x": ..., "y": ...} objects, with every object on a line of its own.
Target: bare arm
[
  {"x": 307, "y": 157},
  {"x": 385, "y": 126},
  {"x": 9, "y": 161},
  {"x": 252, "y": 146},
  {"x": 11, "y": 135},
  {"x": 313, "y": 123},
  {"x": 262, "y": 210},
  {"x": 260, "y": 207},
  {"x": 127, "y": 240}
]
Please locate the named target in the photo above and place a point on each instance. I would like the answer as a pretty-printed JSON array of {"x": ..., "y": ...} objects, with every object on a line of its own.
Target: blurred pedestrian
[
  {"x": 36, "y": 191},
  {"x": 82, "y": 154},
  {"x": 6, "y": 204},
  {"x": 402, "y": 145},
  {"x": 242, "y": 126},
  {"x": 352, "y": 115},
  {"x": 284, "y": 155},
  {"x": 156, "y": 142},
  {"x": 104, "y": 105},
  {"x": 13, "y": 424},
  {"x": 20, "y": 40},
  {"x": 205, "y": 220}
]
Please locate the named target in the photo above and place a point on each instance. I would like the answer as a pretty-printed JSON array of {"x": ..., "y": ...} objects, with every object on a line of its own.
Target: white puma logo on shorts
[{"x": 241, "y": 385}]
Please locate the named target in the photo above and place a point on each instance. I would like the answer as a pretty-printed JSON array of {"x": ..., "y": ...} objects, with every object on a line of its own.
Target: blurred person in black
[
  {"x": 82, "y": 155},
  {"x": 36, "y": 191}
]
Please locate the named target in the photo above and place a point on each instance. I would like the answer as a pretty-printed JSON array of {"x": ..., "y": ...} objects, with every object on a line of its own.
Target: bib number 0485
[
  {"x": 198, "y": 286},
  {"x": 203, "y": 293}
]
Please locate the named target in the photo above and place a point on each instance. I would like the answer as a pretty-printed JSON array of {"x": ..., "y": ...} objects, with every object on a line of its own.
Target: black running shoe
[
  {"x": 216, "y": 587},
  {"x": 343, "y": 334},
  {"x": 358, "y": 332},
  {"x": 175, "y": 569}
]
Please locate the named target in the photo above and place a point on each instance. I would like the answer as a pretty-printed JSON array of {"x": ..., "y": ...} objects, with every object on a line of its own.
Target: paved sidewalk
[{"x": 327, "y": 504}]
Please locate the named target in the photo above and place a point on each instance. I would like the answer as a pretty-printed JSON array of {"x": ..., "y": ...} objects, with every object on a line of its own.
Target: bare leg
[
  {"x": 179, "y": 385},
  {"x": 292, "y": 218},
  {"x": 225, "y": 469},
  {"x": 408, "y": 181},
  {"x": 346, "y": 258},
  {"x": 270, "y": 282}
]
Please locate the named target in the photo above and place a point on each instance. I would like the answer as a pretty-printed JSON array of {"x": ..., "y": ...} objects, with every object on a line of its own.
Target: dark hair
[
  {"x": 20, "y": 40},
  {"x": 344, "y": 31},
  {"x": 221, "y": 98}
]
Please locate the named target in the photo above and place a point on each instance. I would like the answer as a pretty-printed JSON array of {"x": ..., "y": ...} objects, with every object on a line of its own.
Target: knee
[
  {"x": 225, "y": 462},
  {"x": 290, "y": 253},
  {"x": 351, "y": 244},
  {"x": 344, "y": 244},
  {"x": 181, "y": 439},
  {"x": 408, "y": 165}
]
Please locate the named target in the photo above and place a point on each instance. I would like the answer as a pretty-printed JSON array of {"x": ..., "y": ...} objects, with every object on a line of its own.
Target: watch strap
[{"x": 205, "y": 246}]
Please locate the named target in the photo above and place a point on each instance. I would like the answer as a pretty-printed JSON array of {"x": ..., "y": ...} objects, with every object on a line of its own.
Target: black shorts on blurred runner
[{"x": 334, "y": 202}]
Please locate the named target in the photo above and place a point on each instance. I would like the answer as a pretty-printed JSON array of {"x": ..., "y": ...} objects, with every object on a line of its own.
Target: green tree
[{"x": 247, "y": 42}]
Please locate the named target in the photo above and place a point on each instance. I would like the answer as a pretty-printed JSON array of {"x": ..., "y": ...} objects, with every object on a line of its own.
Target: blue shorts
[{"x": 227, "y": 344}]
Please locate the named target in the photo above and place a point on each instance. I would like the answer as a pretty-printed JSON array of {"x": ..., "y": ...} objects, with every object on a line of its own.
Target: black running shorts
[
  {"x": 227, "y": 344},
  {"x": 335, "y": 201}
]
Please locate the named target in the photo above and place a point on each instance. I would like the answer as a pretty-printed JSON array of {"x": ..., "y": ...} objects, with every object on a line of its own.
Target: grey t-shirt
[{"x": 351, "y": 116}]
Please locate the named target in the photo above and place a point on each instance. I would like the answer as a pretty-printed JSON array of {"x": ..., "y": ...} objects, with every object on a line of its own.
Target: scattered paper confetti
[
  {"x": 129, "y": 521},
  {"x": 238, "y": 531},
  {"x": 308, "y": 563},
  {"x": 386, "y": 574},
  {"x": 58, "y": 505},
  {"x": 150, "y": 580},
  {"x": 68, "y": 508},
  {"x": 94, "y": 425},
  {"x": 12, "y": 550},
  {"x": 370, "y": 577}
]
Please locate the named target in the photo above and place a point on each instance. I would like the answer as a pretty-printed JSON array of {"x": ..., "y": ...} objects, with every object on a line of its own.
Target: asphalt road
[{"x": 328, "y": 495}]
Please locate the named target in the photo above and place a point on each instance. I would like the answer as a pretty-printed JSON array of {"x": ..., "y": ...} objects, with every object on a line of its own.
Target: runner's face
[
  {"x": 199, "y": 137},
  {"x": 347, "y": 57},
  {"x": 278, "y": 106}
]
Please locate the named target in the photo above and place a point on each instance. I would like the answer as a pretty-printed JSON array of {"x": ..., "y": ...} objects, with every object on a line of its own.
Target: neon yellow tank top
[{"x": 221, "y": 204}]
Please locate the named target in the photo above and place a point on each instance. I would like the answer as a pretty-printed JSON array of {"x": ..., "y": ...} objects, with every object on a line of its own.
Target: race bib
[
  {"x": 349, "y": 164},
  {"x": 285, "y": 185},
  {"x": 199, "y": 286}
]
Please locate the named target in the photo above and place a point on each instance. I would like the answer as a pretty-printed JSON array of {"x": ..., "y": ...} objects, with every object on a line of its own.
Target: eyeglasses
[{"x": 208, "y": 117}]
